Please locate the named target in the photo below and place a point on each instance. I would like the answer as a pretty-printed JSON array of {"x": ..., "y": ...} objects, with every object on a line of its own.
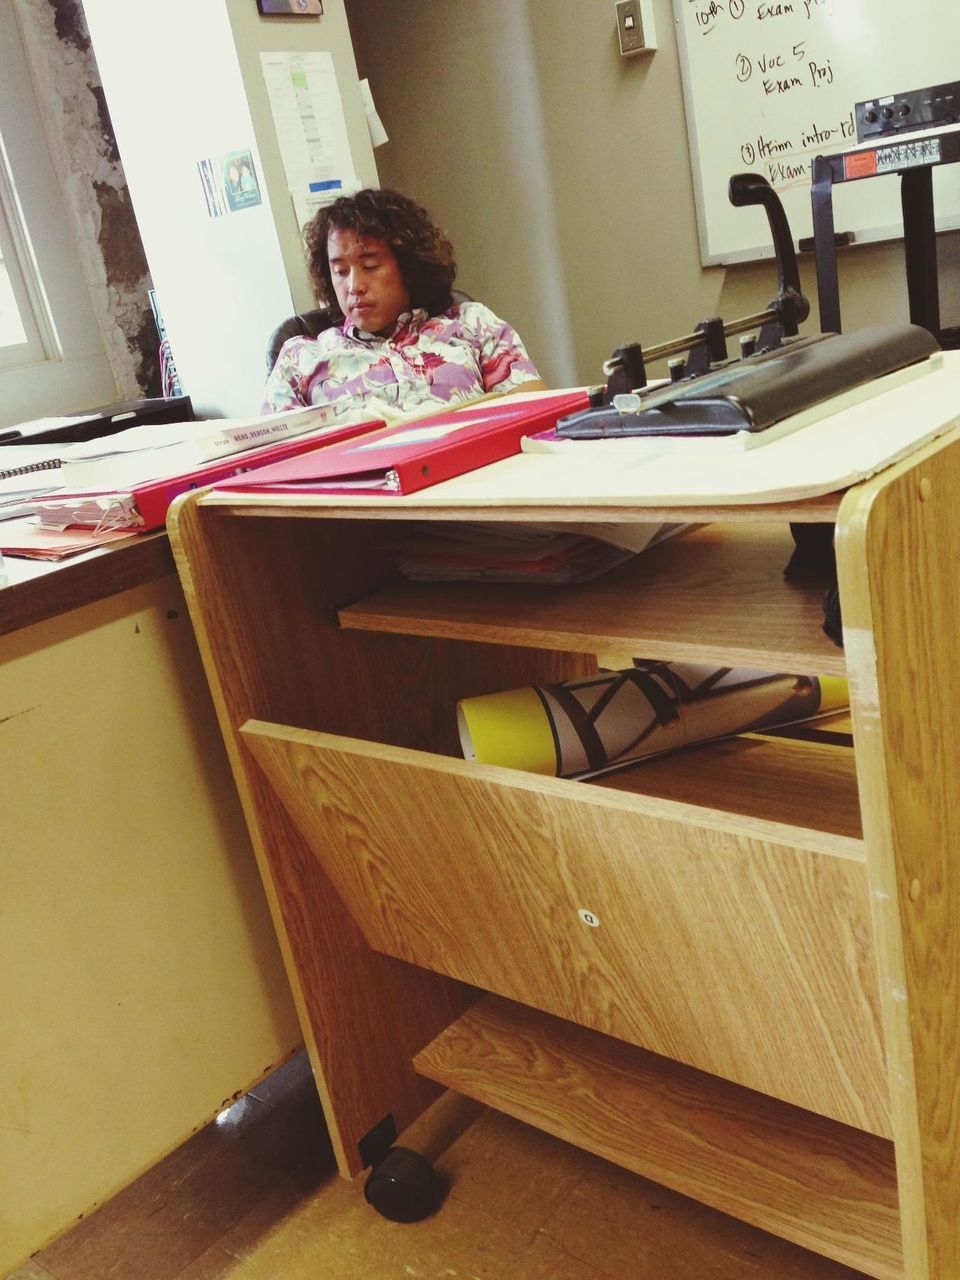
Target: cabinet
[{"x": 768, "y": 1017}]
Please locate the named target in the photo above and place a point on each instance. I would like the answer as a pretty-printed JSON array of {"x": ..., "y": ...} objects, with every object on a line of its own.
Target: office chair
[{"x": 311, "y": 323}]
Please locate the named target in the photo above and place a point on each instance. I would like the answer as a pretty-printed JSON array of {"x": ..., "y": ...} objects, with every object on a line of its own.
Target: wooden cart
[{"x": 768, "y": 1017}]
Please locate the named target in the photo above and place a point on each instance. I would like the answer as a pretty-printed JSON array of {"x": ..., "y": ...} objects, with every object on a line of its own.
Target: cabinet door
[{"x": 737, "y": 945}]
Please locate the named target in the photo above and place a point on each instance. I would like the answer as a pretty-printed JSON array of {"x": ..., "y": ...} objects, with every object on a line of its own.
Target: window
[
  {"x": 12, "y": 332},
  {"x": 53, "y": 358},
  {"x": 26, "y": 334}
]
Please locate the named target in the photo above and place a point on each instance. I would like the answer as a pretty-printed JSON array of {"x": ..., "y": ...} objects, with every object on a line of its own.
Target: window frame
[
  {"x": 68, "y": 369},
  {"x": 17, "y": 254}
]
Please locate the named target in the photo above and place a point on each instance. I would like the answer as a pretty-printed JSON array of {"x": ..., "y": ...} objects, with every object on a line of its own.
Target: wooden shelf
[
  {"x": 821, "y": 1184},
  {"x": 716, "y": 594},
  {"x": 809, "y": 784}
]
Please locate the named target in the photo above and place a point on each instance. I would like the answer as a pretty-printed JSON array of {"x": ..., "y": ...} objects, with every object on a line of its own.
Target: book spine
[{"x": 235, "y": 440}]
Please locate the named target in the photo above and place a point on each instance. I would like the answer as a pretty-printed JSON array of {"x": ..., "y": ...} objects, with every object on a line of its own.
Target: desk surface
[
  {"x": 37, "y": 590},
  {"x": 796, "y": 476}
]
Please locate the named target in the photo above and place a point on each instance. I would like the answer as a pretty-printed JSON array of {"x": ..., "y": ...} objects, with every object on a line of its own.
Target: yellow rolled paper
[
  {"x": 834, "y": 693},
  {"x": 581, "y": 728},
  {"x": 510, "y": 728}
]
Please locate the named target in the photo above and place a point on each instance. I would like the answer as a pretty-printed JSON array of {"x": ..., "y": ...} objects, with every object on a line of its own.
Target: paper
[
  {"x": 584, "y": 728},
  {"x": 311, "y": 129},
  {"x": 25, "y": 539},
  {"x": 378, "y": 134},
  {"x": 229, "y": 182}
]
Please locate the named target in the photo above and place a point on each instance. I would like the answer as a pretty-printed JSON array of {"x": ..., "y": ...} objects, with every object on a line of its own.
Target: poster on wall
[
  {"x": 229, "y": 182},
  {"x": 239, "y": 180},
  {"x": 311, "y": 129}
]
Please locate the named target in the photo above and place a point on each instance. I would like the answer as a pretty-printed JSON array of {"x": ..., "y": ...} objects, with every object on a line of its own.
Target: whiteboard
[{"x": 770, "y": 84}]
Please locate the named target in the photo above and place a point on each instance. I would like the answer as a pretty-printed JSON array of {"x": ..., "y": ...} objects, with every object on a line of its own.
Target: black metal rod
[{"x": 678, "y": 345}]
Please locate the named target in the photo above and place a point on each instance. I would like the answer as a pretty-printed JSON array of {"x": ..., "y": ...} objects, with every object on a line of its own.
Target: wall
[
  {"x": 562, "y": 174},
  {"x": 176, "y": 98},
  {"x": 183, "y": 84},
  {"x": 254, "y": 34}
]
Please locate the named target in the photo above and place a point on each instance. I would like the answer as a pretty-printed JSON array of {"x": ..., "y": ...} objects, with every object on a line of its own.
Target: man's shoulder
[
  {"x": 303, "y": 346},
  {"x": 470, "y": 316}
]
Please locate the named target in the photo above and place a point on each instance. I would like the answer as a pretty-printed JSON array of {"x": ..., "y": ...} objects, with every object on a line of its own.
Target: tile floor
[{"x": 256, "y": 1197}]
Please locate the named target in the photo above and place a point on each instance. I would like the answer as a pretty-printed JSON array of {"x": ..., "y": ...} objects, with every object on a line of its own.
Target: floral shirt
[{"x": 427, "y": 360}]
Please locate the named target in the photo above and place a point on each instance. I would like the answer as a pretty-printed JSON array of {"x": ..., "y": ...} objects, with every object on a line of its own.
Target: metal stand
[{"x": 915, "y": 160}]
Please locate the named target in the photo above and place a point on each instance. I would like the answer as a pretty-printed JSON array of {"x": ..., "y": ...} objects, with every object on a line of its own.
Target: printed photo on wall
[
  {"x": 239, "y": 180},
  {"x": 212, "y": 188},
  {"x": 286, "y": 8}
]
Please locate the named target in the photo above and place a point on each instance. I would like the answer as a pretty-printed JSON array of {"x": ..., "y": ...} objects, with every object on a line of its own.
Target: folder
[
  {"x": 144, "y": 506},
  {"x": 408, "y": 456}
]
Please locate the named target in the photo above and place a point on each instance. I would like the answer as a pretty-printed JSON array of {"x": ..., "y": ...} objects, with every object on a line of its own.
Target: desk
[
  {"x": 914, "y": 157},
  {"x": 107, "y": 418},
  {"x": 143, "y": 986},
  {"x": 768, "y": 1017}
]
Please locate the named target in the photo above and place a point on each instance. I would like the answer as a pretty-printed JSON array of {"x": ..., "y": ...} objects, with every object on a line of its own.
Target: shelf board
[
  {"x": 823, "y": 1185},
  {"x": 716, "y": 594},
  {"x": 809, "y": 784}
]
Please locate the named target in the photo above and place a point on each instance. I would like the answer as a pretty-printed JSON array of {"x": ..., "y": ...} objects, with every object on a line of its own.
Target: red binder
[
  {"x": 152, "y": 498},
  {"x": 408, "y": 456}
]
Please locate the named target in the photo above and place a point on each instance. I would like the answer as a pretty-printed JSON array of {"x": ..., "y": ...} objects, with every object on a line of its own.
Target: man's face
[{"x": 367, "y": 280}]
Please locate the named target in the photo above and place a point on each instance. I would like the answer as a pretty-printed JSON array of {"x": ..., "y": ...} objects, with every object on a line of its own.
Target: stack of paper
[
  {"x": 26, "y": 539},
  {"x": 141, "y": 501},
  {"x": 146, "y": 452},
  {"x": 499, "y": 557},
  {"x": 549, "y": 554}
]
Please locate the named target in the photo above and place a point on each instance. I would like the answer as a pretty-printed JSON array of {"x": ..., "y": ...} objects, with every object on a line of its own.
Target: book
[
  {"x": 151, "y": 449},
  {"x": 408, "y": 456},
  {"x": 143, "y": 506},
  {"x": 141, "y": 453},
  {"x": 18, "y": 460}
]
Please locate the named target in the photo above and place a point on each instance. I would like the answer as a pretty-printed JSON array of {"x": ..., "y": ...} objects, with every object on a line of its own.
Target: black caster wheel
[{"x": 403, "y": 1186}]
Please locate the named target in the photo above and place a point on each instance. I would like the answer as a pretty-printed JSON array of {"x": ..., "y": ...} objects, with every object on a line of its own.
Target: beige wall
[
  {"x": 561, "y": 172},
  {"x": 254, "y": 35}
]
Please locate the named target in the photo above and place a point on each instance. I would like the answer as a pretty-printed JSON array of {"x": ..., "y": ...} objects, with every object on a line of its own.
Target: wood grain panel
[
  {"x": 825, "y": 1186},
  {"x": 714, "y": 595},
  {"x": 267, "y": 640},
  {"x": 805, "y": 784},
  {"x": 735, "y": 945},
  {"x": 899, "y": 550}
]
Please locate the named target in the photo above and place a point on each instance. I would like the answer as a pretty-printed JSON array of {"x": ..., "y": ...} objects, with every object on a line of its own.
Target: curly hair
[{"x": 424, "y": 254}]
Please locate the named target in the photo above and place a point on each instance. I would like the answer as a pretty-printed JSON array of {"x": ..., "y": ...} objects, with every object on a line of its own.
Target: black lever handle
[{"x": 753, "y": 188}]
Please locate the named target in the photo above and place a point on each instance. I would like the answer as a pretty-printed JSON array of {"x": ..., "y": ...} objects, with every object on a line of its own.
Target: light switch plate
[{"x": 634, "y": 27}]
